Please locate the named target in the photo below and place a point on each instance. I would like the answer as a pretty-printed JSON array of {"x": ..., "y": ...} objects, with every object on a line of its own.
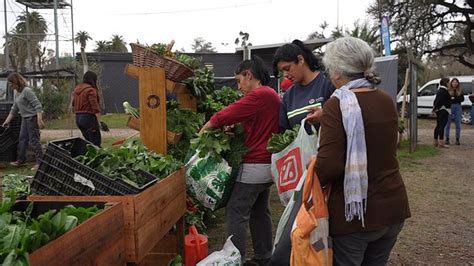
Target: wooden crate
[
  {"x": 97, "y": 241},
  {"x": 171, "y": 137},
  {"x": 148, "y": 216}
]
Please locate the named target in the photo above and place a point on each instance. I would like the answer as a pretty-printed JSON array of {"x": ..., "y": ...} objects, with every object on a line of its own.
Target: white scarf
[{"x": 355, "y": 174}]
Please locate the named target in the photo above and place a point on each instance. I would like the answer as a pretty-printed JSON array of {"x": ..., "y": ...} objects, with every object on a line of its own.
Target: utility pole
[
  {"x": 7, "y": 55},
  {"x": 56, "y": 33},
  {"x": 28, "y": 45},
  {"x": 72, "y": 37},
  {"x": 380, "y": 26}
]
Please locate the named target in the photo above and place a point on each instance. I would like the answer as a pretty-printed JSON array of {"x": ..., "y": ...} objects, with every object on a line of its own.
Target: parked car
[{"x": 427, "y": 93}]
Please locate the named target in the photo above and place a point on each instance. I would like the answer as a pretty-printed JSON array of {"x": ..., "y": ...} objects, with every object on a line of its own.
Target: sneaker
[
  {"x": 447, "y": 142},
  {"x": 457, "y": 142},
  {"x": 17, "y": 163},
  {"x": 35, "y": 168}
]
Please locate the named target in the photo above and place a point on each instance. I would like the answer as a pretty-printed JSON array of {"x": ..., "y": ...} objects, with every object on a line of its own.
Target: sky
[{"x": 217, "y": 21}]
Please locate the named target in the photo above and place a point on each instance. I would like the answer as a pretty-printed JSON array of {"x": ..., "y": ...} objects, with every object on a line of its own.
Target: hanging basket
[
  {"x": 145, "y": 57},
  {"x": 173, "y": 137}
]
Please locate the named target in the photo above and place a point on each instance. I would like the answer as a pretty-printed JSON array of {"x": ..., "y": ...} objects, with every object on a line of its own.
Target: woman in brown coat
[{"x": 357, "y": 155}]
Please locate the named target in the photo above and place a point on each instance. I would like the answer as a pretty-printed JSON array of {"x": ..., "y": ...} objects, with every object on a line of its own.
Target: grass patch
[
  {"x": 113, "y": 120},
  {"x": 408, "y": 160}
]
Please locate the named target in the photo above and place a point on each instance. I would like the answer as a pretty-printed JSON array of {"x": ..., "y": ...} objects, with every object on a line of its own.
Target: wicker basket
[{"x": 145, "y": 57}]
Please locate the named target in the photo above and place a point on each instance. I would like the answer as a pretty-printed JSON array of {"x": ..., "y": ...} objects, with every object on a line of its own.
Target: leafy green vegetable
[
  {"x": 190, "y": 61},
  {"x": 279, "y": 142},
  {"x": 16, "y": 182},
  {"x": 217, "y": 100},
  {"x": 126, "y": 161},
  {"x": 21, "y": 234},
  {"x": 201, "y": 83}
]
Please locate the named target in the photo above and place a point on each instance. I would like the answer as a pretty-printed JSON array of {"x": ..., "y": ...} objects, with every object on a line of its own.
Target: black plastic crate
[
  {"x": 9, "y": 155},
  {"x": 6, "y": 139},
  {"x": 60, "y": 174}
]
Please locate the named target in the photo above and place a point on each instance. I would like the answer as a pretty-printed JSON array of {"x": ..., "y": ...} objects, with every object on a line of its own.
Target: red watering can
[{"x": 195, "y": 247}]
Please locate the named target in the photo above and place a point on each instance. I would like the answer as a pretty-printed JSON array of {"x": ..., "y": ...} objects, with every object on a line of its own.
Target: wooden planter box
[
  {"x": 148, "y": 216},
  {"x": 97, "y": 241}
]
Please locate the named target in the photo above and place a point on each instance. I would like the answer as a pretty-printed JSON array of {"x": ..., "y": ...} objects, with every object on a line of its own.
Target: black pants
[
  {"x": 89, "y": 127},
  {"x": 441, "y": 121},
  {"x": 365, "y": 248}
]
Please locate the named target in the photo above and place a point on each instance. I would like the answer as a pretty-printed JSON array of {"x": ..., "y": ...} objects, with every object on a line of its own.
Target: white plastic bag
[
  {"x": 207, "y": 179},
  {"x": 288, "y": 165},
  {"x": 227, "y": 256}
]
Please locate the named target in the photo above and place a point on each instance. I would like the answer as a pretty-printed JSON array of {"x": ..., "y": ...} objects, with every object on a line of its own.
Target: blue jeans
[
  {"x": 89, "y": 127},
  {"x": 456, "y": 113}
]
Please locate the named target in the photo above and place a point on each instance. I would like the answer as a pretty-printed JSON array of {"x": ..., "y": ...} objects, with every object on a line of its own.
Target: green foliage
[
  {"x": 55, "y": 99},
  {"x": 217, "y": 100},
  {"x": 202, "y": 83},
  {"x": 20, "y": 233},
  {"x": 191, "y": 61},
  {"x": 126, "y": 161},
  {"x": 279, "y": 142},
  {"x": 16, "y": 183}
]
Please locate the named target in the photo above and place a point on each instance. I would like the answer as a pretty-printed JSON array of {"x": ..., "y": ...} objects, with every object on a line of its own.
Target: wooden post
[
  {"x": 152, "y": 99},
  {"x": 402, "y": 109}
]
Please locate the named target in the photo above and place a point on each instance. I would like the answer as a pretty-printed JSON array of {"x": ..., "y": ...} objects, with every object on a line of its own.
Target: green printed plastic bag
[{"x": 207, "y": 179}]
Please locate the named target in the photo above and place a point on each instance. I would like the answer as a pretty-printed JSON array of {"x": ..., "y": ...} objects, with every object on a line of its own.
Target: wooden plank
[
  {"x": 112, "y": 255},
  {"x": 155, "y": 259},
  {"x": 84, "y": 243},
  {"x": 185, "y": 98},
  {"x": 154, "y": 199},
  {"x": 153, "y": 108},
  {"x": 131, "y": 70},
  {"x": 148, "y": 234}
]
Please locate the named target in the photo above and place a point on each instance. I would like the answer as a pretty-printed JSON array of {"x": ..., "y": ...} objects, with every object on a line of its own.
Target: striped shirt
[{"x": 299, "y": 98}]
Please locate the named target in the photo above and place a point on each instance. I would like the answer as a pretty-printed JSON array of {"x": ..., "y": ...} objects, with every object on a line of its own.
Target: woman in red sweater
[
  {"x": 86, "y": 107},
  {"x": 258, "y": 111}
]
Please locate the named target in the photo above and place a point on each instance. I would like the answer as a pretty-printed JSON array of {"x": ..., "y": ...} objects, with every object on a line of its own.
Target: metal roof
[{"x": 43, "y": 4}]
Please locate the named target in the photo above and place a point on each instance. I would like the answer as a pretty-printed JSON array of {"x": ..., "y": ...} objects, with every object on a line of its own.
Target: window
[
  {"x": 3, "y": 90},
  {"x": 466, "y": 87},
  {"x": 429, "y": 90}
]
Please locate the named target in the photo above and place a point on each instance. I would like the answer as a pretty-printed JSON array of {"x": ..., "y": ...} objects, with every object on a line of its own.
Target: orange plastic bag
[{"x": 310, "y": 241}]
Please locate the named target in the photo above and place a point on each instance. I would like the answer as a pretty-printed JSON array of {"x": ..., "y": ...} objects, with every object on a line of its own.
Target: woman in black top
[
  {"x": 441, "y": 106},
  {"x": 455, "y": 91}
]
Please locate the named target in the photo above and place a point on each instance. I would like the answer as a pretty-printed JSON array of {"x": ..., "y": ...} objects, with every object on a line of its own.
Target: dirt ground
[{"x": 440, "y": 190}]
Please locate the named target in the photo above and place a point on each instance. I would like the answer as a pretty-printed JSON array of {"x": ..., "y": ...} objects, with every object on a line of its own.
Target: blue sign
[{"x": 385, "y": 35}]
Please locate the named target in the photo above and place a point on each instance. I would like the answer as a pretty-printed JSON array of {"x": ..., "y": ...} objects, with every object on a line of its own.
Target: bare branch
[{"x": 446, "y": 47}]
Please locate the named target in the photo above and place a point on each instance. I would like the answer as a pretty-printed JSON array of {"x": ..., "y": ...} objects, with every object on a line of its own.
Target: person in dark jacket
[
  {"x": 455, "y": 91},
  {"x": 86, "y": 107},
  {"x": 368, "y": 203},
  {"x": 441, "y": 105},
  {"x": 257, "y": 110},
  {"x": 31, "y": 111}
]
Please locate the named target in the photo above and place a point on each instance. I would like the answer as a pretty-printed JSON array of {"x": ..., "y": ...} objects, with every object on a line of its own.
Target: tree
[
  {"x": 243, "y": 39},
  {"x": 427, "y": 26},
  {"x": 118, "y": 44},
  {"x": 82, "y": 37},
  {"x": 18, "y": 45},
  {"x": 102, "y": 46},
  {"x": 201, "y": 46},
  {"x": 362, "y": 30}
]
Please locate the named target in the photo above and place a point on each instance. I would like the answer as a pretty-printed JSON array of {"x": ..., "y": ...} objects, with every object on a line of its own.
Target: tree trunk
[{"x": 84, "y": 60}]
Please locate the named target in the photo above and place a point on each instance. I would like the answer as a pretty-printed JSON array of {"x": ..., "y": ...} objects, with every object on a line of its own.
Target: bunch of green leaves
[
  {"x": 126, "y": 161},
  {"x": 159, "y": 48},
  {"x": 238, "y": 149},
  {"x": 16, "y": 182},
  {"x": 279, "y": 142},
  {"x": 211, "y": 142},
  {"x": 21, "y": 234},
  {"x": 202, "y": 83},
  {"x": 191, "y": 61},
  {"x": 182, "y": 121},
  {"x": 217, "y": 100}
]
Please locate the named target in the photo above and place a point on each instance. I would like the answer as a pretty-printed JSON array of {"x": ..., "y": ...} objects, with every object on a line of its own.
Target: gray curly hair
[{"x": 352, "y": 58}]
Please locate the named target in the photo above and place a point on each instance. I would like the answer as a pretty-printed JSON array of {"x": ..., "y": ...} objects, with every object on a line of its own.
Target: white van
[{"x": 427, "y": 93}]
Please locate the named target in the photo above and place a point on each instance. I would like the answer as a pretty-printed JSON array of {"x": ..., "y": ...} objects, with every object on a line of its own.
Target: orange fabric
[{"x": 310, "y": 242}]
